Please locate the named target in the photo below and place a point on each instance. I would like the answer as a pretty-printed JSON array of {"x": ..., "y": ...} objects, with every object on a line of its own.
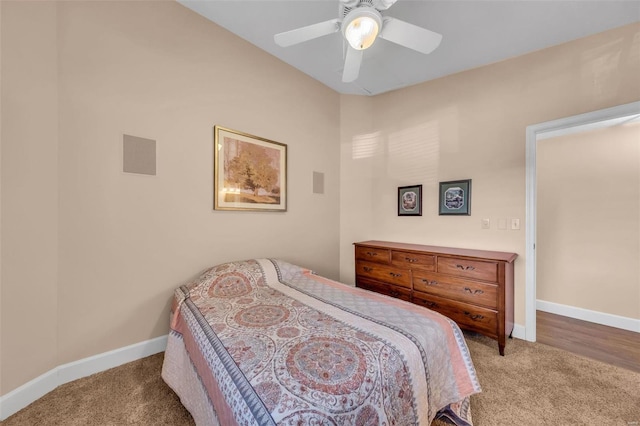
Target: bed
[{"x": 265, "y": 342}]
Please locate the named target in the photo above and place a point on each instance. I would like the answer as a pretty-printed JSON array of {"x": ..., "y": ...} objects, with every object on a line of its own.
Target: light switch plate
[{"x": 515, "y": 224}]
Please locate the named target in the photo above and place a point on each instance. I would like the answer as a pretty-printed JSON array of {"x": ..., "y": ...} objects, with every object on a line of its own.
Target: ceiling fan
[{"x": 361, "y": 22}]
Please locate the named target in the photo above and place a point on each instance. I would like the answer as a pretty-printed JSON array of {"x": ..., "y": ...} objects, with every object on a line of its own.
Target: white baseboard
[
  {"x": 20, "y": 397},
  {"x": 518, "y": 332},
  {"x": 602, "y": 318}
]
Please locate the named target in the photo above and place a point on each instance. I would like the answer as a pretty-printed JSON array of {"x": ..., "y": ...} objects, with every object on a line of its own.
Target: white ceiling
[{"x": 475, "y": 33}]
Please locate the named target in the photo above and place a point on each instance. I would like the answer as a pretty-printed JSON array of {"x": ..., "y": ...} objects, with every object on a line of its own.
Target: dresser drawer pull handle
[
  {"x": 395, "y": 293},
  {"x": 465, "y": 268},
  {"x": 430, "y": 304},
  {"x": 395, "y": 275},
  {"x": 372, "y": 253},
  {"x": 410, "y": 259},
  {"x": 475, "y": 317},
  {"x": 367, "y": 269},
  {"x": 468, "y": 290},
  {"x": 429, "y": 282}
]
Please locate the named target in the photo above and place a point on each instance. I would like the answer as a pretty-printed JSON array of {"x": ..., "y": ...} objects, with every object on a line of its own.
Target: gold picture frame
[{"x": 250, "y": 172}]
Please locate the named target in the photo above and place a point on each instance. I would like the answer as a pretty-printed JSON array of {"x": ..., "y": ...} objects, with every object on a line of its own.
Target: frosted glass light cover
[{"x": 361, "y": 32}]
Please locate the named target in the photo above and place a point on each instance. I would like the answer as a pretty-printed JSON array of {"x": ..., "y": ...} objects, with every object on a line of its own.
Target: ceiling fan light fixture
[{"x": 361, "y": 27}]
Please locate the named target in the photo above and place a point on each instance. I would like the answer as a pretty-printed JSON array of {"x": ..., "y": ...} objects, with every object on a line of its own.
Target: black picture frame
[
  {"x": 455, "y": 198},
  {"x": 410, "y": 200}
]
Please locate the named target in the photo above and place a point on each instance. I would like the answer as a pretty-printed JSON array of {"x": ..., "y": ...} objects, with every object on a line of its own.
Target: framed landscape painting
[
  {"x": 250, "y": 172},
  {"x": 455, "y": 197}
]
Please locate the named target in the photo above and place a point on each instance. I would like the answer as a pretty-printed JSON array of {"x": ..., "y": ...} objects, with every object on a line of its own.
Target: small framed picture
[
  {"x": 455, "y": 198},
  {"x": 410, "y": 200}
]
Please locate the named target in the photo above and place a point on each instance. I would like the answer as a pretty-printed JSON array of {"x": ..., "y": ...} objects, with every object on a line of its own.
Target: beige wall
[
  {"x": 588, "y": 240},
  {"x": 91, "y": 255},
  {"x": 472, "y": 126},
  {"x": 29, "y": 192}
]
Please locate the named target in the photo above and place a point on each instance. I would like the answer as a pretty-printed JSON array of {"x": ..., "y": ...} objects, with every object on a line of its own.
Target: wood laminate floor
[{"x": 607, "y": 344}]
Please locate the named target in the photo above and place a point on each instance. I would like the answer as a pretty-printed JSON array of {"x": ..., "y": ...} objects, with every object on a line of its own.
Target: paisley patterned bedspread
[{"x": 273, "y": 343}]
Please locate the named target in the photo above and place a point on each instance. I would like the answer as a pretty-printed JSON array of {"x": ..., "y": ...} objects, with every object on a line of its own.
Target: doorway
[{"x": 534, "y": 133}]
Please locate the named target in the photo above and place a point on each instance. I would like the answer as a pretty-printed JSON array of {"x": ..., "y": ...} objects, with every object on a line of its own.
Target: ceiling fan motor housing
[{"x": 378, "y": 4}]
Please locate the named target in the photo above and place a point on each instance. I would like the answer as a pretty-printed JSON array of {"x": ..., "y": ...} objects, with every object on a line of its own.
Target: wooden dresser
[{"x": 472, "y": 287}]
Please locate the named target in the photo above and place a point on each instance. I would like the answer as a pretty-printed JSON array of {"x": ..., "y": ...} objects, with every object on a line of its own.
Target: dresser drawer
[
  {"x": 403, "y": 259},
  {"x": 373, "y": 255},
  {"x": 465, "y": 315},
  {"x": 487, "y": 271},
  {"x": 464, "y": 290},
  {"x": 391, "y": 275},
  {"x": 390, "y": 290}
]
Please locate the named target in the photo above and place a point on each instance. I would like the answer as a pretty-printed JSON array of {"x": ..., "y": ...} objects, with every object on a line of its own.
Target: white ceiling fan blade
[
  {"x": 352, "y": 63},
  {"x": 409, "y": 35},
  {"x": 289, "y": 38}
]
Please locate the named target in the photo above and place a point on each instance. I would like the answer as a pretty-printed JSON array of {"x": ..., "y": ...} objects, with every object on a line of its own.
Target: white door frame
[{"x": 545, "y": 130}]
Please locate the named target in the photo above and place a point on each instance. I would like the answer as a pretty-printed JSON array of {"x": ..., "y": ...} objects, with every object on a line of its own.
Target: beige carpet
[{"x": 533, "y": 384}]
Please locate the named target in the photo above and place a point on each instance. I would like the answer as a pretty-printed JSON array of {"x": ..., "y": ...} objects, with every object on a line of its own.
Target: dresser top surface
[{"x": 484, "y": 254}]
